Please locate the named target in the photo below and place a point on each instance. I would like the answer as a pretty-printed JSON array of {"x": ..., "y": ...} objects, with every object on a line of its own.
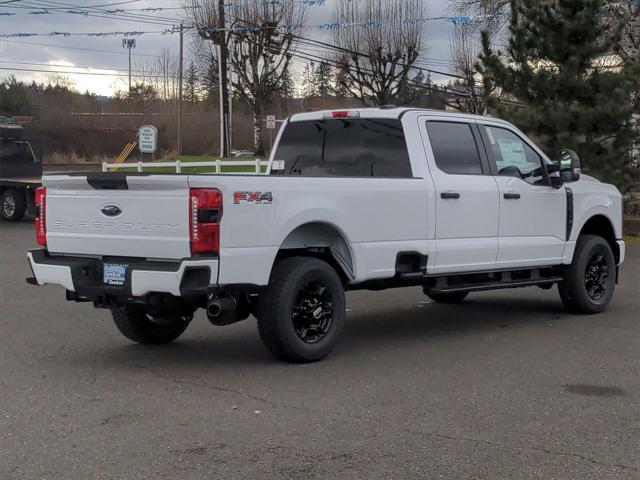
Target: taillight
[
  {"x": 342, "y": 114},
  {"x": 205, "y": 209},
  {"x": 41, "y": 216}
]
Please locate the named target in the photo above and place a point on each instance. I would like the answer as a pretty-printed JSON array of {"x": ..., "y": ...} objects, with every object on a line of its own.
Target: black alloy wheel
[
  {"x": 596, "y": 277},
  {"x": 313, "y": 312}
]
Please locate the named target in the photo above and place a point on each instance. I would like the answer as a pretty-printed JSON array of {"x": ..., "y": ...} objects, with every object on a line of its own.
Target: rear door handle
[
  {"x": 512, "y": 196},
  {"x": 447, "y": 195}
]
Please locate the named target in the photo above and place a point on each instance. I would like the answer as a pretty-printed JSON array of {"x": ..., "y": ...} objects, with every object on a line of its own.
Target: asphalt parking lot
[{"x": 505, "y": 385}]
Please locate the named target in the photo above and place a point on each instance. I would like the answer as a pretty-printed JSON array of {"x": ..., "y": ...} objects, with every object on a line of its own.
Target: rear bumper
[{"x": 83, "y": 276}]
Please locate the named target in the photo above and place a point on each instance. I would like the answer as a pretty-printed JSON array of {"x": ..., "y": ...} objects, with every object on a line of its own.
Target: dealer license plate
[{"x": 114, "y": 273}]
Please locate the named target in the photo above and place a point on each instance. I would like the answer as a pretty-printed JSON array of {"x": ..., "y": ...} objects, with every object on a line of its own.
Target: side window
[
  {"x": 513, "y": 157},
  {"x": 454, "y": 148}
]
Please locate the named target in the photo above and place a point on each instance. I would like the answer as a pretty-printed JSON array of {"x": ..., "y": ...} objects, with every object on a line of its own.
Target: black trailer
[{"x": 20, "y": 173}]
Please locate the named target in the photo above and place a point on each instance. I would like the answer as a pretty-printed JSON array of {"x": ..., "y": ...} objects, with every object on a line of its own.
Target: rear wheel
[
  {"x": 447, "y": 297},
  {"x": 139, "y": 326},
  {"x": 301, "y": 315},
  {"x": 13, "y": 205},
  {"x": 589, "y": 281}
]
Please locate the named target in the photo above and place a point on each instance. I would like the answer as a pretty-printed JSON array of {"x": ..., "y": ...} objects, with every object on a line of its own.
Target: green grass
[{"x": 196, "y": 170}]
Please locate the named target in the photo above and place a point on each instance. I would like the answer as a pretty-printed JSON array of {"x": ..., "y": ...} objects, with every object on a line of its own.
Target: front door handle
[
  {"x": 512, "y": 196},
  {"x": 448, "y": 195}
]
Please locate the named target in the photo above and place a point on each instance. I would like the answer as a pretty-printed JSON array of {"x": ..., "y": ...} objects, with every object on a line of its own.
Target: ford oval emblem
[{"x": 111, "y": 211}]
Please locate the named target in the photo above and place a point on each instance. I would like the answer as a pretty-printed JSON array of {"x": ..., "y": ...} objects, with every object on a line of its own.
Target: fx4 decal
[{"x": 262, "y": 198}]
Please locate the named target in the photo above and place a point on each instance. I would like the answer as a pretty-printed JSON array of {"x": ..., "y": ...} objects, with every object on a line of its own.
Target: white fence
[{"x": 217, "y": 166}]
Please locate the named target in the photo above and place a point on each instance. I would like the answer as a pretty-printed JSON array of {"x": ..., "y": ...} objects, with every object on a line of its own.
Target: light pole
[
  {"x": 129, "y": 43},
  {"x": 180, "y": 86}
]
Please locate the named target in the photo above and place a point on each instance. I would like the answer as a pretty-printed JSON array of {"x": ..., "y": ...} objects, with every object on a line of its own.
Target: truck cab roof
[{"x": 388, "y": 112}]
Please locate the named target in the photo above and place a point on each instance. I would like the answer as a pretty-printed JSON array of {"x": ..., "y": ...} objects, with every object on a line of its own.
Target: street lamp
[{"x": 129, "y": 43}]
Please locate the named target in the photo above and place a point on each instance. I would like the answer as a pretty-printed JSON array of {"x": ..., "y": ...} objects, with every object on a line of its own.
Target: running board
[{"x": 496, "y": 285}]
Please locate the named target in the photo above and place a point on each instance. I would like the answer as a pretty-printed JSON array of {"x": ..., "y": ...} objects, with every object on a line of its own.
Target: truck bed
[{"x": 20, "y": 181}]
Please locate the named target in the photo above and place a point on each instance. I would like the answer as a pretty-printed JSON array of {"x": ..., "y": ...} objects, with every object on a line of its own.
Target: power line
[
  {"x": 364, "y": 55},
  {"x": 77, "y": 48},
  {"x": 126, "y": 2},
  {"x": 64, "y": 66},
  {"x": 117, "y": 11},
  {"x": 49, "y": 7},
  {"x": 133, "y": 33},
  {"x": 455, "y": 92},
  {"x": 38, "y": 70}
]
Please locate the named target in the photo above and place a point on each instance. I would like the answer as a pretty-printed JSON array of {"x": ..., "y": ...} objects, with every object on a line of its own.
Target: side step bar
[
  {"x": 414, "y": 275},
  {"x": 543, "y": 277},
  {"x": 496, "y": 285}
]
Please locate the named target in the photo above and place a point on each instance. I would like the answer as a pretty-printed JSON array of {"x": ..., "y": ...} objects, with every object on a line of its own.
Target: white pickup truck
[{"x": 357, "y": 199}]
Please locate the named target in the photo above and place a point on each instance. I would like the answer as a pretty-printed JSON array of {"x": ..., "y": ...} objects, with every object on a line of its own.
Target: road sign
[
  {"x": 148, "y": 139},
  {"x": 271, "y": 122}
]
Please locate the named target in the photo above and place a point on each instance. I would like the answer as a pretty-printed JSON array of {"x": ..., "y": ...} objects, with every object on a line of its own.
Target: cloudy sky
[{"x": 102, "y": 62}]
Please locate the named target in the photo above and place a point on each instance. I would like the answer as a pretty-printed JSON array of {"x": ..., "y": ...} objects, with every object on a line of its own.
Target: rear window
[{"x": 343, "y": 148}]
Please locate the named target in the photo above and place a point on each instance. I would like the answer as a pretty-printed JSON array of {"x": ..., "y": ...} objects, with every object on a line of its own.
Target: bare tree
[
  {"x": 464, "y": 47},
  {"x": 625, "y": 15},
  {"x": 378, "y": 42},
  {"x": 167, "y": 66},
  {"x": 161, "y": 73},
  {"x": 261, "y": 38},
  {"x": 488, "y": 16},
  {"x": 494, "y": 13}
]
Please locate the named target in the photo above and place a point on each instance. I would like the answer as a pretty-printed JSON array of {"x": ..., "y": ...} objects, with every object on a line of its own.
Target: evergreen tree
[
  {"x": 309, "y": 87},
  {"x": 340, "y": 82},
  {"x": 287, "y": 85},
  {"x": 191, "y": 84},
  {"x": 143, "y": 93},
  {"x": 322, "y": 79},
  {"x": 14, "y": 97},
  {"x": 551, "y": 66},
  {"x": 209, "y": 80},
  {"x": 419, "y": 91}
]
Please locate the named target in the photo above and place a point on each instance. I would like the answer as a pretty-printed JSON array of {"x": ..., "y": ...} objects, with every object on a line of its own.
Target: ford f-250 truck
[{"x": 356, "y": 199}]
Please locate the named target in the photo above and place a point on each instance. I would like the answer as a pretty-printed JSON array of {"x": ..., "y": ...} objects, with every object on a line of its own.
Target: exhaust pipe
[{"x": 221, "y": 310}]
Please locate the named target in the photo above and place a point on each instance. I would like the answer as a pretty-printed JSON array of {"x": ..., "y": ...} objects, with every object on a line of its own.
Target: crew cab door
[
  {"x": 466, "y": 196},
  {"x": 532, "y": 213}
]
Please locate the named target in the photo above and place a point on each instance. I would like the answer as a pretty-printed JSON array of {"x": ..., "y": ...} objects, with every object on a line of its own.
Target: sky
[{"x": 103, "y": 62}]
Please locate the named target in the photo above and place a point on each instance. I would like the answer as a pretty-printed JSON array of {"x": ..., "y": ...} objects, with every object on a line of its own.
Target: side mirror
[{"x": 569, "y": 164}]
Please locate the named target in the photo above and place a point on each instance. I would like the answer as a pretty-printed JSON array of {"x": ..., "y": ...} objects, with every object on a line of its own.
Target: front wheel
[
  {"x": 301, "y": 315},
  {"x": 590, "y": 280},
  {"x": 139, "y": 326}
]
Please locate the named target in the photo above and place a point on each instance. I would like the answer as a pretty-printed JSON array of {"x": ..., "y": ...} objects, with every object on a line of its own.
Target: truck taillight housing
[
  {"x": 342, "y": 114},
  {"x": 205, "y": 213},
  {"x": 41, "y": 216}
]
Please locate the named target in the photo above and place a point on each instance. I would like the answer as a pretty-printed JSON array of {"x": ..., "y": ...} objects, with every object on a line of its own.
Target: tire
[
  {"x": 589, "y": 282},
  {"x": 289, "y": 323},
  {"x": 447, "y": 297},
  {"x": 136, "y": 325},
  {"x": 13, "y": 205}
]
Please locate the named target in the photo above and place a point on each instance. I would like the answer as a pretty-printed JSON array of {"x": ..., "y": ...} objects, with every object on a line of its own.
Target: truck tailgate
[{"x": 144, "y": 216}]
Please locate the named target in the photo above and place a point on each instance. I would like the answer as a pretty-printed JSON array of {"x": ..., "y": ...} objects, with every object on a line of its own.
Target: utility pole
[
  {"x": 129, "y": 43},
  {"x": 224, "y": 84},
  {"x": 180, "y": 80},
  {"x": 230, "y": 47},
  {"x": 218, "y": 36}
]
